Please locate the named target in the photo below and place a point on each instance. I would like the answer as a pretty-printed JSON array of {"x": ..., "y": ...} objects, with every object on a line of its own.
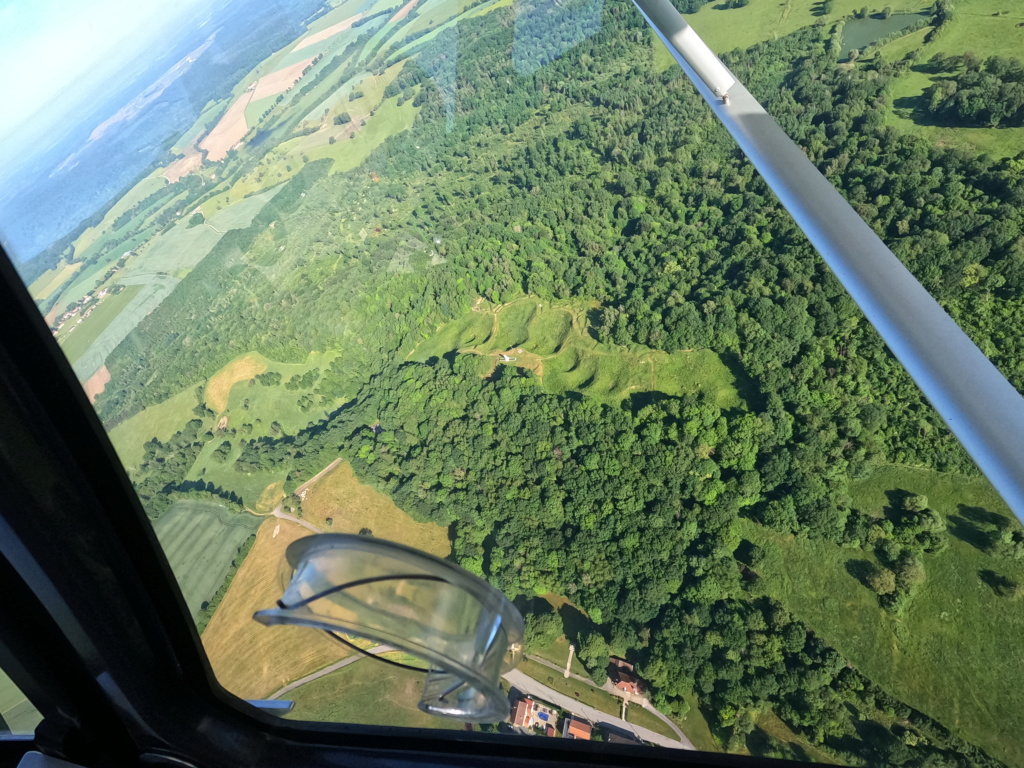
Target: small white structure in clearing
[{"x": 506, "y": 359}]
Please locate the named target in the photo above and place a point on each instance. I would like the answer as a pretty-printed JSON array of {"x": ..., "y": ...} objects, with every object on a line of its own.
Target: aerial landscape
[{"x": 486, "y": 278}]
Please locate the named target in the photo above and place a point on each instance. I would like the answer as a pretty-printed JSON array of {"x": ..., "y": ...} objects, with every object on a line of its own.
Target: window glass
[
  {"x": 17, "y": 714},
  {"x": 486, "y": 278}
]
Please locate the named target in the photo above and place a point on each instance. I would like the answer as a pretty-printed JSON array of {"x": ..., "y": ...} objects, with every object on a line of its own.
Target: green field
[
  {"x": 367, "y": 693},
  {"x": 553, "y": 342},
  {"x": 640, "y": 716},
  {"x": 85, "y": 333},
  {"x": 955, "y": 654},
  {"x": 263, "y": 404},
  {"x": 160, "y": 421},
  {"x": 200, "y": 539},
  {"x": 406, "y": 50},
  {"x": 153, "y": 289},
  {"x": 726, "y": 29}
]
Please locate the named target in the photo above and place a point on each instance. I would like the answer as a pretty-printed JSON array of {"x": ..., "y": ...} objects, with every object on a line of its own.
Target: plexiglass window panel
[
  {"x": 18, "y": 716},
  {"x": 486, "y": 278}
]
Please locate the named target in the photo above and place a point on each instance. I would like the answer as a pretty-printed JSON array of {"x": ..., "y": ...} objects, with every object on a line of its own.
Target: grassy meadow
[
  {"x": 553, "y": 341},
  {"x": 368, "y": 693},
  {"x": 160, "y": 421},
  {"x": 352, "y": 505},
  {"x": 954, "y": 654}
]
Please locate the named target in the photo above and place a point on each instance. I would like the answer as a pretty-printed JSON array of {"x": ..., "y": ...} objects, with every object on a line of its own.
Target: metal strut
[{"x": 975, "y": 400}]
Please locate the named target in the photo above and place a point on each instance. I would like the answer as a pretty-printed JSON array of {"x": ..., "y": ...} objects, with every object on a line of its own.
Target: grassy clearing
[
  {"x": 557, "y": 653},
  {"x": 352, "y": 506},
  {"x": 553, "y": 341},
  {"x": 955, "y": 653},
  {"x": 771, "y": 725},
  {"x": 348, "y": 153},
  {"x": 74, "y": 344},
  {"x": 368, "y": 693},
  {"x": 977, "y": 27},
  {"x": 640, "y": 716},
  {"x": 160, "y": 421},
  {"x": 242, "y": 369},
  {"x": 696, "y": 728},
  {"x": 725, "y": 29},
  {"x": 252, "y": 660},
  {"x": 575, "y": 689},
  {"x": 406, "y": 50},
  {"x": 434, "y": 12},
  {"x": 200, "y": 539}
]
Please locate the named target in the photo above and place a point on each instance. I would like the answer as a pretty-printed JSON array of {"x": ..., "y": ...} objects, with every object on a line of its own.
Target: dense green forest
[{"x": 595, "y": 178}]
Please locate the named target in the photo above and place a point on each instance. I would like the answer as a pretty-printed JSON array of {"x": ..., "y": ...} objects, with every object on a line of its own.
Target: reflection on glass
[
  {"x": 17, "y": 714},
  {"x": 486, "y": 278}
]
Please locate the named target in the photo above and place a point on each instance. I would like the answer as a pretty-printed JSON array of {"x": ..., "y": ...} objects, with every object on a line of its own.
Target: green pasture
[
  {"x": 726, "y": 29},
  {"x": 637, "y": 715},
  {"x": 160, "y": 421},
  {"x": 367, "y": 693},
  {"x": 277, "y": 403},
  {"x": 247, "y": 485},
  {"x": 955, "y": 653},
  {"x": 200, "y": 539},
  {"x": 350, "y": 153},
  {"x": 74, "y": 344},
  {"x": 433, "y": 12},
  {"x": 556, "y": 346}
]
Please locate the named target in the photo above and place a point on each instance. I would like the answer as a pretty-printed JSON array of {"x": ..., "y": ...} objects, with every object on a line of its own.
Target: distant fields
[
  {"x": 51, "y": 280},
  {"x": 956, "y": 654},
  {"x": 85, "y": 333},
  {"x": 200, "y": 539},
  {"x": 553, "y": 342},
  {"x": 353, "y": 506},
  {"x": 252, "y": 660}
]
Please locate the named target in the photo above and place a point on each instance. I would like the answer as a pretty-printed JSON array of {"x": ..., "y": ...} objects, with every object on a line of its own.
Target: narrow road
[
  {"x": 279, "y": 509},
  {"x": 528, "y": 685},
  {"x": 643, "y": 701},
  {"x": 279, "y": 512},
  {"x": 317, "y": 476},
  {"x": 327, "y": 670}
]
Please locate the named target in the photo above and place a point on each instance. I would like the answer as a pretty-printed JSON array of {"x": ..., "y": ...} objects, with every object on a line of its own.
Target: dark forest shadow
[{"x": 861, "y": 570}]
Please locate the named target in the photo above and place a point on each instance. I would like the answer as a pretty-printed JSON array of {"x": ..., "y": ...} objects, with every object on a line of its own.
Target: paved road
[
  {"x": 527, "y": 684},
  {"x": 643, "y": 701},
  {"x": 327, "y": 670}
]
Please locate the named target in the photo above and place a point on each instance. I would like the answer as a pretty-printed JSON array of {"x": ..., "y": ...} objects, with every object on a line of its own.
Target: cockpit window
[{"x": 486, "y": 278}]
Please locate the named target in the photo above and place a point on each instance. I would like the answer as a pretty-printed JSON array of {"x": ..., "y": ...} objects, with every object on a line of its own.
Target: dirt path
[{"x": 317, "y": 476}]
